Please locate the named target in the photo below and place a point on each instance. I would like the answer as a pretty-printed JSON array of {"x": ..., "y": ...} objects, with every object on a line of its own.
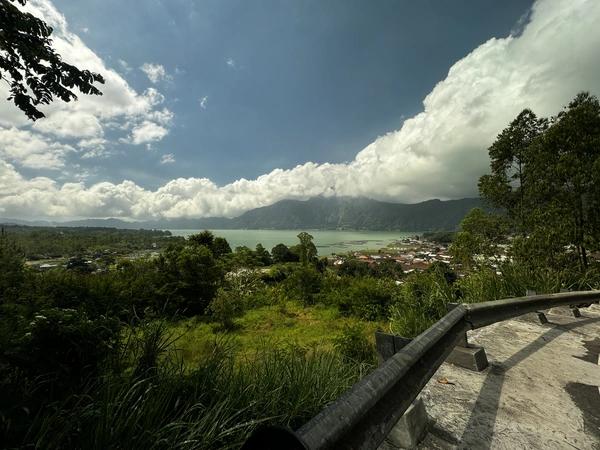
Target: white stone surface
[{"x": 540, "y": 391}]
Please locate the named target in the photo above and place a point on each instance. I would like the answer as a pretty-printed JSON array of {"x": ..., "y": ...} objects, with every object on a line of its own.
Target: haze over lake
[{"x": 327, "y": 241}]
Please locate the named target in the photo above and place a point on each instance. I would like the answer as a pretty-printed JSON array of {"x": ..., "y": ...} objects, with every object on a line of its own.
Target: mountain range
[{"x": 327, "y": 213}]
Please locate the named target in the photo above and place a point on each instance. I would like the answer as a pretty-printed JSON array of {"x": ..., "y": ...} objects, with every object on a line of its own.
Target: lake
[{"x": 326, "y": 241}]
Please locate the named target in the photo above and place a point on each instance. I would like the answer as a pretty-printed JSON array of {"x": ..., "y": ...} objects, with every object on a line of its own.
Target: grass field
[{"x": 280, "y": 326}]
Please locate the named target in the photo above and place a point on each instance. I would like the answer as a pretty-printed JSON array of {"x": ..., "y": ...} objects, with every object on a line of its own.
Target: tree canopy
[
  {"x": 545, "y": 174},
  {"x": 34, "y": 71}
]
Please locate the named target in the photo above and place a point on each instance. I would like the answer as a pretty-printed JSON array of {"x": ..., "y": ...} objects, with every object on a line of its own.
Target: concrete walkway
[{"x": 539, "y": 392}]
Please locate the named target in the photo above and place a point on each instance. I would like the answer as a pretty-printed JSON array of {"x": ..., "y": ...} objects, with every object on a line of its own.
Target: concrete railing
[{"x": 364, "y": 415}]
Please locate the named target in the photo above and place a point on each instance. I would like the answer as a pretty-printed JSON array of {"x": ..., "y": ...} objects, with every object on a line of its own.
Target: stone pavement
[{"x": 539, "y": 392}]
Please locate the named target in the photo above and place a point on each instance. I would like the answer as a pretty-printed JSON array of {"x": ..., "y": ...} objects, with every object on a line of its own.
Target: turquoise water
[{"x": 327, "y": 241}]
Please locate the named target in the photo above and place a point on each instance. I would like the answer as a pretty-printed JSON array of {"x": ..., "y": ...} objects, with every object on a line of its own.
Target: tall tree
[
  {"x": 506, "y": 187},
  {"x": 308, "y": 251},
  {"x": 28, "y": 63},
  {"x": 565, "y": 163}
]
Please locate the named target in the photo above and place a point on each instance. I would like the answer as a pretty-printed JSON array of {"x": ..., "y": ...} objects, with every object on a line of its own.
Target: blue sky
[
  {"x": 307, "y": 80},
  {"x": 212, "y": 108}
]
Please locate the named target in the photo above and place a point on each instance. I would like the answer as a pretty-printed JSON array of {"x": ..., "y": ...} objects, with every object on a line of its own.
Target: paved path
[{"x": 540, "y": 391}]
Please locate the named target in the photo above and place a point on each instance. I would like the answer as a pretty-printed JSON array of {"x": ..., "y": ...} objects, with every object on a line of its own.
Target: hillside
[
  {"x": 316, "y": 213},
  {"x": 356, "y": 213}
]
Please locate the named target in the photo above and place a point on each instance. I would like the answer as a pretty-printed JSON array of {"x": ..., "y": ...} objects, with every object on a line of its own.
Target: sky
[{"x": 212, "y": 108}]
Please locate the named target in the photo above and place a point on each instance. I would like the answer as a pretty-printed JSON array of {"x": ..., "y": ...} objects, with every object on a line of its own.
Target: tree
[
  {"x": 565, "y": 162},
  {"x": 480, "y": 234},
  {"x": 506, "y": 187},
  {"x": 282, "y": 254},
  {"x": 35, "y": 72},
  {"x": 12, "y": 269},
  {"x": 308, "y": 251},
  {"x": 546, "y": 175},
  {"x": 262, "y": 255},
  {"x": 220, "y": 247},
  {"x": 192, "y": 278},
  {"x": 205, "y": 238}
]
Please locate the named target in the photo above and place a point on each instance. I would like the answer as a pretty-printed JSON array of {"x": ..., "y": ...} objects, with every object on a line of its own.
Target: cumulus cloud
[
  {"x": 87, "y": 118},
  {"x": 155, "y": 72},
  {"x": 168, "y": 158},
  {"x": 147, "y": 132},
  {"x": 32, "y": 151},
  {"x": 440, "y": 152}
]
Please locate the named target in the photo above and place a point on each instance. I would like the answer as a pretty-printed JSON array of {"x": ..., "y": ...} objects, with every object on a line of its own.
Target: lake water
[{"x": 326, "y": 241}]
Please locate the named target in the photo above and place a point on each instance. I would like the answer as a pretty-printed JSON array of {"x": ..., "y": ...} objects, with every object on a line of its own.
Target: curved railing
[{"x": 364, "y": 415}]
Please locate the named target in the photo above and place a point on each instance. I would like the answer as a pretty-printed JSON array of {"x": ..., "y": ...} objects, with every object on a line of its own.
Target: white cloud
[
  {"x": 93, "y": 148},
  {"x": 66, "y": 124},
  {"x": 231, "y": 63},
  {"x": 147, "y": 132},
  {"x": 29, "y": 150},
  {"x": 203, "y": 101},
  {"x": 440, "y": 152},
  {"x": 155, "y": 72},
  {"x": 88, "y": 117},
  {"x": 168, "y": 158}
]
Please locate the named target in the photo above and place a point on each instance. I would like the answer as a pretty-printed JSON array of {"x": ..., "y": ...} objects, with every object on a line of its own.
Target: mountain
[
  {"x": 316, "y": 213},
  {"x": 356, "y": 214}
]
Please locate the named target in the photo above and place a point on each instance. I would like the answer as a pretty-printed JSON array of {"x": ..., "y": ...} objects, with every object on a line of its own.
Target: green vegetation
[
  {"x": 38, "y": 243},
  {"x": 197, "y": 345},
  {"x": 32, "y": 68}
]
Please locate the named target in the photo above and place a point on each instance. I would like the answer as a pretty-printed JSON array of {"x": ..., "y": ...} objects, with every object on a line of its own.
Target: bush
[
  {"x": 367, "y": 298},
  {"x": 304, "y": 283},
  {"x": 216, "y": 405},
  {"x": 422, "y": 300},
  {"x": 226, "y": 306},
  {"x": 64, "y": 345},
  {"x": 354, "y": 346}
]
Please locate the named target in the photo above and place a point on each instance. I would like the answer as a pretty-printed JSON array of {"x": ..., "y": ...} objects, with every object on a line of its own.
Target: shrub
[
  {"x": 354, "y": 346},
  {"x": 216, "y": 405},
  {"x": 367, "y": 298},
  {"x": 422, "y": 300},
  {"x": 304, "y": 283},
  {"x": 226, "y": 306}
]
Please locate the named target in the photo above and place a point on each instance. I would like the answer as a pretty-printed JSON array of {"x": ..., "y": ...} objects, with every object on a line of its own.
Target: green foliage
[
  {"x": 220, "y": 247},
  {"x": 307, "y": 249},
  {"x": 56, "y": 242},
  {"x": 304, "y": 283},
  {"x": 205, "y": 238},
  {"x": 262, "y": 255},
  {"x": 192, "y": 278},
  {"x": 64, "y": 344},
  {"x": 367, "y": 298},
  {"x": 282, "y": 254},
  {"x": 440, "y": 237},
  {"x": 422, "y": 300},
  {"x": 353, "y": 267},
  {"x": 354, "y": 346},
  {"x": 216, "y": 405},
  {"x": 34, "y": 71},
  {"x": 12, "y": 269},
  {"x": 545, "y": 175},
  {"x": 480, "y": 235},
  {"x": 225, "y": 307}
]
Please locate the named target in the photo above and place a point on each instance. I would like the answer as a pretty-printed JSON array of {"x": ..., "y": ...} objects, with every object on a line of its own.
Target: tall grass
[
  {"x": 214, "y": 405},
  {"x": 423, "y": 298}
]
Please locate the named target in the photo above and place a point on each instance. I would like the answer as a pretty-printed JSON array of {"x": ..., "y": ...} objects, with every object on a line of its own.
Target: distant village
[{"x": 413, "y": 254}]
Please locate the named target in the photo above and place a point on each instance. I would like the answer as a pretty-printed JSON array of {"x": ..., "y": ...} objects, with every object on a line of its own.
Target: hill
[
  {"x": 357, "y": 214},
  {"x": 327, "y": 213}
]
